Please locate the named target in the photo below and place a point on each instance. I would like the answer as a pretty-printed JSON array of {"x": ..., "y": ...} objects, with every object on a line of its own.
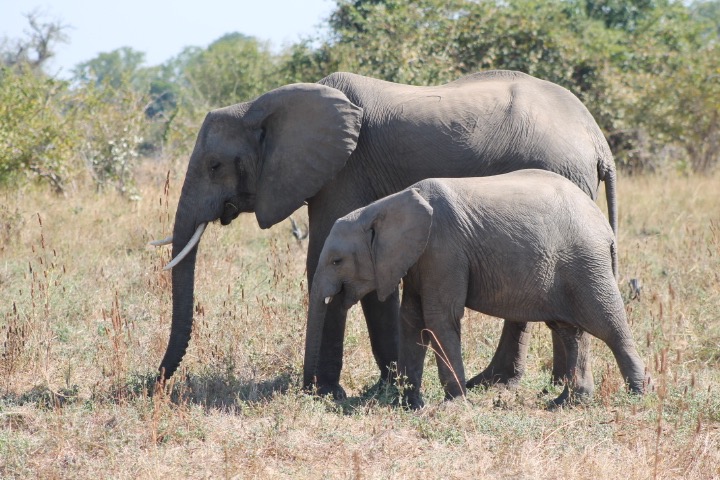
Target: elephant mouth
[
  {"x": 235, "y": 206},
  {"x": 346, "y": 297},
  {"x": 230, "y": 212},
  {"x": 330, "y": 297},
  {"x": 341, "y": 295}
]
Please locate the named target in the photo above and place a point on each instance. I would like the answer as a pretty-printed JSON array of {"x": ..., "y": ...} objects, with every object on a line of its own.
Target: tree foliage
[
  {"x": 34, "y": 136},
  {"x": 111, "y": 69},
  {"x": 648, "y": 70},
  {"x": 37, "y": 47},
  {"x": 232, "y": 69},
  {"x": 54, "y": 132}
]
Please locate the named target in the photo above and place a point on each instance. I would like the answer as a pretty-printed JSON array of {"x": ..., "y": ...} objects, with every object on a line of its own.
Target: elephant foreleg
[
  {"x": 412, "y": 351},
  {"x": 382, "y": 320},
  {"x": 508, "y": 364},
  {"x": 446, "y": 345}
]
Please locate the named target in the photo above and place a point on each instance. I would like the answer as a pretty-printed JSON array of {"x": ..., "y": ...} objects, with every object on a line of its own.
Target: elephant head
[
  {"x": 265, "y": 156},
  {"x": 370, "y": 249}
]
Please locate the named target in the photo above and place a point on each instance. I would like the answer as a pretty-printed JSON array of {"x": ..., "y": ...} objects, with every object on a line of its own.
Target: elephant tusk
[
  {"x": 190, "y": 245},
  {"x": 164, "y": 241},
  {"x": 328, "y": 300}
]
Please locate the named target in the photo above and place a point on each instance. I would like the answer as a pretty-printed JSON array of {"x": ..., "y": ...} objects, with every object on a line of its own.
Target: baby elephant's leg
[
  {"x": 607, "y": 321},
  {"x": 442, "y": 329},
  {"x": 579, "y": 384},
  {"x": 619, "y": 339},
  {"x": 411, "y": 352},
  {"x": 508, "y": 364}
]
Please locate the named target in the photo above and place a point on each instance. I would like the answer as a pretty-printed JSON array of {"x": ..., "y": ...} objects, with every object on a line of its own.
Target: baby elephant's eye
[
  {"x": 215, "y": 167},
  {"x": 337, "y": 261}
]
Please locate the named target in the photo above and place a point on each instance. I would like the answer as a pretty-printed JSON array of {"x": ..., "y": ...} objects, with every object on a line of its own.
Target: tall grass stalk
[{"x": 85, "y": 320}]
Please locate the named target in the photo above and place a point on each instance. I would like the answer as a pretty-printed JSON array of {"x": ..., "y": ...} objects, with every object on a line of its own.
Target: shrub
[{"x": 36, "y": 139}]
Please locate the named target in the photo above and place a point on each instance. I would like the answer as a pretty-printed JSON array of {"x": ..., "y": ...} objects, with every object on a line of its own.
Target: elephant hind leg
[
  {"x": 579, "y": 383},
  {"x": 508, "y": 364},
  {"x": 607, "y": 321},
  {"x": 623, "y": 348}
]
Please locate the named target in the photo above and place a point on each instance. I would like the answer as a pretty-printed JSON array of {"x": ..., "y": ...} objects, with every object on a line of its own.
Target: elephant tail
[
  {"x": 611, "y": 196},
  {"x": 609, "y": 177}
]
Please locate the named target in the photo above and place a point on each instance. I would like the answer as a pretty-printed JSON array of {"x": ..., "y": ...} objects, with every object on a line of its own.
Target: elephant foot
[
  {"x": 323, "y": 389},
  {"x": 384, "y": 390},
  {"x": 639, "y": 388},
  {"x": 568, "y": 398},
  {"x": 555, "y": 381},
  {"x": 563, "y": 400},
  {"x": 491, "y": 376},
  {"x": 412, "y": 402}
]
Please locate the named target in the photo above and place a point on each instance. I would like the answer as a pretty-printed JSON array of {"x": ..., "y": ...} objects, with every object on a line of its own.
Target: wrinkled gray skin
[
  {"x": 526, "y": 246},
  {"x": 349, "y": 140}
]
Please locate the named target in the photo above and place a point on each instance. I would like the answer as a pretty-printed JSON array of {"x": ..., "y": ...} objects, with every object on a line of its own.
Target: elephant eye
[
  {"x": 337, "y": 261},
  {"x": 214, "y": 167}
]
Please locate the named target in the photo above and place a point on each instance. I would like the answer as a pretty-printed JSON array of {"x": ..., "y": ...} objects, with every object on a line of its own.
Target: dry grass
[{"x": 85, "y": 317}]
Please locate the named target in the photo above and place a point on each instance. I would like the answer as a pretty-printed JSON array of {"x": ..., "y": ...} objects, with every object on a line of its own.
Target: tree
[
  {"x": 39, "y": 46},
  {"x": 620, "y": 14},
  {"x": 397, "y": 40},
  {"x": 232, "y": 69},
  {"x": 646, "y": 69},
  {"x": 112, "y": 69},
  {"x": 708, "y": 11},
  {"x": 35, "y": 137}
]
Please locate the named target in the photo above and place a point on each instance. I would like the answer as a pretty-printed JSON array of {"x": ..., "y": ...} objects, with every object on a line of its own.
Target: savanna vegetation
[{"x": 91, "y": 169}]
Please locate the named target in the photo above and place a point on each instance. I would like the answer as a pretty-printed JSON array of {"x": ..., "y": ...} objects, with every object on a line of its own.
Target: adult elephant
[{"x": 349, "y": 140}]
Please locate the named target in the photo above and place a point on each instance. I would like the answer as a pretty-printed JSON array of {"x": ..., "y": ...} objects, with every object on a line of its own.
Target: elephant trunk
[
  {"x": 183, "y": 286},
  {"x": 313, "y": 336}
]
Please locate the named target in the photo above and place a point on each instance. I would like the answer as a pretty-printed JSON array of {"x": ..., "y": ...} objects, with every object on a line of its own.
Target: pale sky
[{"x": 161, "y": 29}]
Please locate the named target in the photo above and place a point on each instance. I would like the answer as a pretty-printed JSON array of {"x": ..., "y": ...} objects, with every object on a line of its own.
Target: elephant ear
[
  {"x": 309, "y": 131},
  {"x": 399, "y": 227}
]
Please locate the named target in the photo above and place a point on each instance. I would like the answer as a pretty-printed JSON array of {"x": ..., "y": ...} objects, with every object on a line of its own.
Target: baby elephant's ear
[{"x": 401, "y": 227}]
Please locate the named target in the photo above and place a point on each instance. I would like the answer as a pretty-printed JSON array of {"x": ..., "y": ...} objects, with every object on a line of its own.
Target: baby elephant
[{"x": 527, "y": 246}]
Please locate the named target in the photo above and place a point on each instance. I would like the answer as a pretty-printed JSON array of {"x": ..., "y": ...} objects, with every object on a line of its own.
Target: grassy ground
[{"x": 84, "y": 320}]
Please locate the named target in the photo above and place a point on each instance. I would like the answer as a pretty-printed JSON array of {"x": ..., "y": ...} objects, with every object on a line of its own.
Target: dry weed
[{"x": 86, "y": 318}]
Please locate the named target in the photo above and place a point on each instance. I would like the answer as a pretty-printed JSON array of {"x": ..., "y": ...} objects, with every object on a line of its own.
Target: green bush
[
  {"x": 112, "y": 121},
  {"x": 646, "y": 69},
  {"x": 53, "y": 133},
  {"x": 36, "y": 136},
  {"x": 234, "y": 68}
]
